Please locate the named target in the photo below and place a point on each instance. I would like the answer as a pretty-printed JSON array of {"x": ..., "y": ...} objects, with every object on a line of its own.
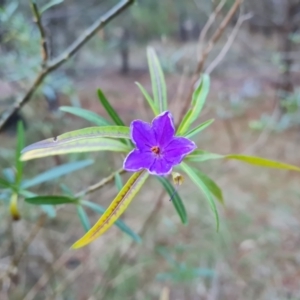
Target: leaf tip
[{"x": 78, "y": 244}]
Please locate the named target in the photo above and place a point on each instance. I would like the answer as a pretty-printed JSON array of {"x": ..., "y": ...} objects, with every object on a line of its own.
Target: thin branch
[
  {"x": 218, "y": 33},
  {"x": 228, "y": 43},
  {"x": 66, "y": 55},
  {"x": 41, "y": 221},
  {"x": 211, "y": 43},
  {"x": 207, "y": 25},
  {"x": 117, "y": 260},
  {"x": 44, "y": 279},
  {"x": 71, "y": 277},
  {"x": 38, "y": 21},
  {"x": 35, "y": 230},
  {"x": 59, "y": 263},
  {"x": 100, "y": 184},
  {"x": 17, "y": 258}
]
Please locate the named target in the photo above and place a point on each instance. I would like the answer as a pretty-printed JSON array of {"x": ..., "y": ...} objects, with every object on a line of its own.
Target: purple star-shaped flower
[{"x": 157, "y": 147}]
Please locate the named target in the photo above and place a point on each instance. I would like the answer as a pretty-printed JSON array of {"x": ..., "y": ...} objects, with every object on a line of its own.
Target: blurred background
[{"x": 255, "y": 101}]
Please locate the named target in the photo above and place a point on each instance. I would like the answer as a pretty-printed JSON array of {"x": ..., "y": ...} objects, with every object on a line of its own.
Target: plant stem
[
  {"x": 100, "y": 184},
  {"x": 38, "y": 21},
  {"x": 65, "y": 56},
  {"x": 210, "y": 45}
]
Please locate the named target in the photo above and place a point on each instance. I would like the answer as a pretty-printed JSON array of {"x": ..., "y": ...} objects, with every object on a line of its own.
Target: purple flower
[{"x": 157, "y": 147}]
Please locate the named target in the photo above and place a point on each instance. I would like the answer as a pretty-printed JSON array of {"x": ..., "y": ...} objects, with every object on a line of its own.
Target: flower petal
[
  {"x": 161, "y": 167},
  {"x": 142, "y": 135},
  {"x": 177, "y": 149},
  {"x": 137, "y": 160},
  {"x": 163, "y": 126}
]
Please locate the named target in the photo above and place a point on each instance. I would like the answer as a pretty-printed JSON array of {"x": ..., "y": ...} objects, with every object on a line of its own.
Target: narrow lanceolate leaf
[
  {"x": 262, "y": 162},
  {"x": 48, "y": 209},
  {"x": 89, "y": 145},
  {"x": 116, "y": 208},
  {"x": 20, "y": 146},
  {"x": 83, "y": 140},
  {"x": 199, "y": 128},
  {"x": 51, "y": 200},
  {"x": 109, "y": 109},
  {"x": 198, "y": 101},
  {"x": 85, "y": 134},
  {"x": 84, "y": 219},
  {"x": 201, "y": 155},
  {"x": 85, "y": 114},
  {"x": 159, "y": 88},
  {"x": 148, "y": 98},
  {"x": 176, "y": 200},
  {"x": 202, "y": 186},
  {"x": 119, "y": 223},
  {"x": 56, "y": 172},
  {"x": 211, "y": 185}
]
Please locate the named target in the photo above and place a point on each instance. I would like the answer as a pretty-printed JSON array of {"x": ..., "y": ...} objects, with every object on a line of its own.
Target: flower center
[{"x": 155, "y": 150}]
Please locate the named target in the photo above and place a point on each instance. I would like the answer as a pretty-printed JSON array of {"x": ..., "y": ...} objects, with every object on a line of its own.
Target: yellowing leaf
[
  {"x": 82, "y": 134},
  {"x": 87, "y": 144},
  {"x": 262, "y": 162},
  {"x": 115, "y": 210},
  {"x": 13, "y": 207}
]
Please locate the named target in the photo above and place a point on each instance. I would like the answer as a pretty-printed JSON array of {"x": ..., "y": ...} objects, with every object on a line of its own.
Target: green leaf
[
  {"x": 201, "y": 185},
  {"x": 4, "y": 184},
  {"x": 199, "y": 128},
  {"x": 118, "y": 182},
  {"x": 119, "y": 223},
  {"x": 48, "y": 209},
  {"x": 84, "y": 219},
  {"x": 50, "y": 4},
  {"x": 56, "y": 172},
  {"x": 83, "y": 140},
  {"x": 211, "y": 185},
  {"x": 183, "y": 123},
  {"x": 201, "y": 92},
  {"x": 198, "y": 101},
  {"x": 51, "y": 200},
  {"x": 148, "y": 98},
  {"x": 262, "y": 162},
  {"x": 201, "y": 155},
  {"x": 85, "y": 114},
  {"x": 20, "y": 146},
  {"x": 159, "y": 88},
  {"x": 177, "y": 202},
  {"x": 86, "y": 134},
  {"x": 110, "y": 110}
]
